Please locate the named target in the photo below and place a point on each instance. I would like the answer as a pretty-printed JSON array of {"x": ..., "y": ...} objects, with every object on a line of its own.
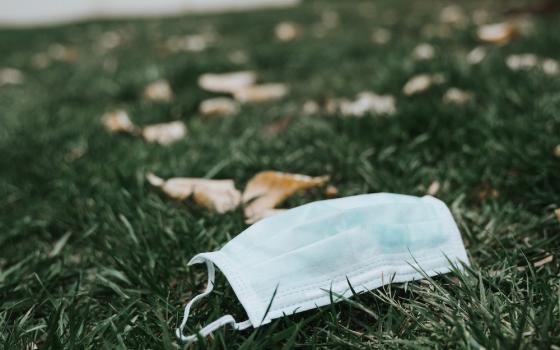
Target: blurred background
[{"x": 456, "y": 99}]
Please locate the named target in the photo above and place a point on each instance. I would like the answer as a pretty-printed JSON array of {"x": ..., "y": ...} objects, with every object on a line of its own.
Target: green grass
[{"x": 121, "y": 279}]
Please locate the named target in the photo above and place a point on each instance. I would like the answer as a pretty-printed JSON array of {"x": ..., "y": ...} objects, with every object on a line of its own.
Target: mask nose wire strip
[{"x": 220, "y": 322}]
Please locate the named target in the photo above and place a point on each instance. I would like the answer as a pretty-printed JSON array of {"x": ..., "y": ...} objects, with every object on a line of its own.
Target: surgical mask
[{"x": 317, "y": 253}]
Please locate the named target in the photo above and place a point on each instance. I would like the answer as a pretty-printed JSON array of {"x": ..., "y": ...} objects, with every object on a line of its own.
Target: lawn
[{"x": 93, "y": 257}]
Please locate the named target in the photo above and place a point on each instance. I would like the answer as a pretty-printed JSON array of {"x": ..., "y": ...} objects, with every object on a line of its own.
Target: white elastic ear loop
[{"x": 220, "y": 322}]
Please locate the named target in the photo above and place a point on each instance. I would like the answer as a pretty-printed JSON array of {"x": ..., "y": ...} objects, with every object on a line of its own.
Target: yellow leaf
[
  {"x": 118, "y": 121},
  {"x": 227, "y": 82},
  {"x": 286, "y": 31},
  {"x": 158, "y": 91},
  {"x": 165, "y": 133},
  {"x": 261, "y": 93},
  {"x": 219, "y": 106},
  {"x": 269, "y": 188},
  {"x": 216, "y": 195},
  {"x": 497, "y": 33}
]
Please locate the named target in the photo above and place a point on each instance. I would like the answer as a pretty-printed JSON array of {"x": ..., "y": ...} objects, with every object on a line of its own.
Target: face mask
[{"x": 309, "y": 256}]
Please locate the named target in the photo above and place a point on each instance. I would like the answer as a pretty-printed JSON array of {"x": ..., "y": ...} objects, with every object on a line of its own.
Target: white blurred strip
[{"x": 44, "y": 12}]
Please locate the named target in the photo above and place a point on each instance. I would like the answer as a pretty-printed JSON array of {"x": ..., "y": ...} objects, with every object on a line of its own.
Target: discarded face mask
[{"x": 309, "y": 256}]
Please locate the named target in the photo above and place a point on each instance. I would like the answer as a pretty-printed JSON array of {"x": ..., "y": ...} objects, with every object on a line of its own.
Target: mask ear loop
[{"x": 220, "y": 322}]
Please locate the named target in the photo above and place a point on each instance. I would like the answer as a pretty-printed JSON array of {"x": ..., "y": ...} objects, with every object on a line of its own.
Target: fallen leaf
[
  {"x": 457, "y": 96},
  {"x": 368, "y": 102},
  {"x": 433, "y": 189},
  {"x": 227, "y": 82},
  {"x": 278, "y": 126},
  {"x": 528, "y": 61},
  {"x": 62, "y": 53},
  {"x": 310, "y": 107},
  {"x": 10, "y": 76},
  {"x": 269, "y": 188},
  {"x": 118, "y": 121},
  {"x": 497, "y": 33},
  {"x": 220, "y": 198},
  {"x": 421, "y": 83},
  {"x": 109, "y": 40},
  {"x": 286, "y": 31},
  {"x": 486, "y": 191},
  {"x": 453, "y": 14},
  {"x": 544, "y": 261},
  {"x": 523, "y": 61},
  {"x": 219, "y": 106},
  {"x": 189, "y": 43},
  {"x": 381, "y": 36},
  {"x": 261, "y": 93},
  {"x": 550, "y": 66},
  {"x": 557, "y": 213},
  {"x": 216, "y": 195},
  {"x": 158, "y": 91},
  {"x": 476, "y": 55},
  {"x": 423, "y": 51},
  {"x": 165, "y": 133},
  {"x": 331, "y": 191},
  {"x": 557, "y": 151},
  {"x": 263, "y": 214}
]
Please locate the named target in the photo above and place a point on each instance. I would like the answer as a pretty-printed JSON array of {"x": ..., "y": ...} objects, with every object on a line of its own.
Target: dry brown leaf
[
  {"x": 528, "y": 61},
  {"x": 457, "y": 96},
  {"x": 522, "y": 61},
  {"x": 497, "y": 33},
  {"x": 381, "y": 36},
  {"x": 421, "y": 83},
  {"x": 10, "y": 76},
  {"x": 261, "y": 93},
  {"x": 331, "y": 191},
  {"x": 158, "y": 91},
  {"x": 269, "y": 188},
  {"x": 216, "y": 195},
  {"x": 278, "y": 126},
  {"x": 189, "y": 43},
  {"x": 263, "y": 214},
  {"x": 219, "y": 106},
  {"x": 310, "y": 107},
  {"x": 557, "y": 213},
  {"x": 476, "y": 55},
  {"x": 486, "y": 191},
  {"x": 62, "y": 53},
  {"x": 368, "y": 102},
  {"x": 165, "y": 133},
  {"x": 423, "y": 51},
  {"x": 286, "y": 31},
  {"x": 227, "y": 82},
  {"x": 109, "y": 40},
  {"x": 550, "y": 66},
  {"x": 544, "y": 261},
  {"x": 453, "y": 14},
  {"x": 433, "y": 189},
  {"x": 118, "y": 121}
]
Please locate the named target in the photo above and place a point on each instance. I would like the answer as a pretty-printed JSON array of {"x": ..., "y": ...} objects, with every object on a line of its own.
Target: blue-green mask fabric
[{"x": 309, "y": 256}]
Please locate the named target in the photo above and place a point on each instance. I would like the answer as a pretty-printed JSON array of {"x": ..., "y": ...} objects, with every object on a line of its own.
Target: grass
[{"x": 92, "y": 257}]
